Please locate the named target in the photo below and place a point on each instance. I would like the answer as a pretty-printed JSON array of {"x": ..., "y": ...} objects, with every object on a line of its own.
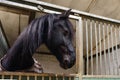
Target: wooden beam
[{"x": 36, "y": 74}]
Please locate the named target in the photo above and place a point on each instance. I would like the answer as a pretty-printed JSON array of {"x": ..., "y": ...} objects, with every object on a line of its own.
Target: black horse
[{"x": 55, "y": 31}]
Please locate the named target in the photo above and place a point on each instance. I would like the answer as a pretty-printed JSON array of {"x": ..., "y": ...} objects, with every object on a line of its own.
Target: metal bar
[
  {"x": 11, "y": 77},
  {"x": 86, "y": 24},
  {"x": 50, "y": 78},
  {"x": 80, "y": 46},
  {"x": 102, "y": 77},
  {"x": 28, "y": 77},
  {"x": 69, "y": 78},
  {"x": 57, "y": 78},
  {"x": 42, "y": 77},
  {"x": 113, "y": 35},
  {"x": 91, "y": 52},
  {"x": 100, "y": 48},
  {"x": 108, "y": 49},
  {"x": 119, "y": 35},
  {"x": 104, "y": 47},
  {"x": 119, "y": 40},
  {"x": 2, "y": 76},
  {"x": 58, "y": 7},
  {"x": 112, "y": 48},
  {"x": 73, "y": 10},
  {"x": 96, "y": 40},
  {"x": 117, "y": 60},
  {"x": 35, "y": 77},
  {"x": 19, "y": 77}
]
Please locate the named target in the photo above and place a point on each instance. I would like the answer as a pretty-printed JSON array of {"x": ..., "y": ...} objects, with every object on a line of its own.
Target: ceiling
[{"x": 107, "y": 8}]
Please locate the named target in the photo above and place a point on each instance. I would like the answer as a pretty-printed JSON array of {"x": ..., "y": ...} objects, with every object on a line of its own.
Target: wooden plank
[{"x": 14, "y": 10}]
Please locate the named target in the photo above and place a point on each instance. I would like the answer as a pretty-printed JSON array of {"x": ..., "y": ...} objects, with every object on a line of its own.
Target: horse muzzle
[{"x": 68, "y": 62}]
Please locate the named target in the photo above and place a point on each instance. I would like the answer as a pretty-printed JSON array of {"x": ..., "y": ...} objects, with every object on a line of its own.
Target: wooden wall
[{"x": 12, "y": 24}]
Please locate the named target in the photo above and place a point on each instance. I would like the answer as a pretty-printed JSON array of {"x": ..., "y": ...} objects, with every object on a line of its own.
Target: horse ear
[{"x": 65, "y": 14}]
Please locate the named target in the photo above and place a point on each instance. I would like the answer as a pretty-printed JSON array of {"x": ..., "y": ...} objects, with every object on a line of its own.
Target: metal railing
[
  {"x": 101, "y": 47},
  {"x": 35, "y": 76}
]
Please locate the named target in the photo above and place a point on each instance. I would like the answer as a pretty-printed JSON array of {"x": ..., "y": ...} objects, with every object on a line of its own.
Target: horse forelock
[
  {"x": 55, "y": 17},
  {"x": 70, "y": 27},
  {"x": 36, "y": 30}
]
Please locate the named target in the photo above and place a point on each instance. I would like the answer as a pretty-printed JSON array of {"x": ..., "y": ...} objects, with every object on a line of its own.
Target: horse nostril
[{"x": 66, "y": 62}]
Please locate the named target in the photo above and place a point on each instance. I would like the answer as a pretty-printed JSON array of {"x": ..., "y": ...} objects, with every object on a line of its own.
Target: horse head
[{"x": 60, "y": 40}]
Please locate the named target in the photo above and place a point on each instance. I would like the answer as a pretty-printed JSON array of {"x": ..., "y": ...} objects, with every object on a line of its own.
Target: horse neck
[
  {"x": 48, "y": 26},
  {"x": 32, "y": 37}
]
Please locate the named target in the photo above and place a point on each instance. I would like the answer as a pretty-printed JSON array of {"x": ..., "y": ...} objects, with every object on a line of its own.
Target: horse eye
[{"x": 65, "y": 33}]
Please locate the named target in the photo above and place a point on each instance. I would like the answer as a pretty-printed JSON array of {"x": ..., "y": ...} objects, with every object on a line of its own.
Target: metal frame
[
  {"x": 54, "y": 7},
  {"x": 73, "y": 10}
]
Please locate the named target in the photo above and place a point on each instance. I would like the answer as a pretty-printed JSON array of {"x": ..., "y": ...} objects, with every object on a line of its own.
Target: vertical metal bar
[
  {"x": 86, "y": 25},
  {"x": 113, "y": 51},
  {"x": 112, "y": 48},
  {"x": 91, "y": 52},
  {"x": 117, "y": 60},
  {"x": 49, "y": 77},
  {"x": 108, "y": 49},
  {"x": 79, "y": 47},
  {"x": 35, "y": 77},
  {"x": 119, "y": 36},
  {"x": 27, "y": 77},
  {"x": 104, "y": 39},
  {"x": 56, "y": 77},
  {"x": 96, "y": 40},
  {"x": 119, "y": 41},
  {"x": 100, "y": 48},
  {"x": 2, "y": 76},
  {"x": 69, "y": 78},
  {"x": 11, "y": 77},
  {"x": 80, "y": 43},
  {"x": 43, "y": 77},
  {"x": 63, "y": 78},
  {"x": 19, "y": 77}
]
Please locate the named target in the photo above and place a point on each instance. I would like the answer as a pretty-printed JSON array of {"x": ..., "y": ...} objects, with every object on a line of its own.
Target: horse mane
[{"x": 34, "y": 33}]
